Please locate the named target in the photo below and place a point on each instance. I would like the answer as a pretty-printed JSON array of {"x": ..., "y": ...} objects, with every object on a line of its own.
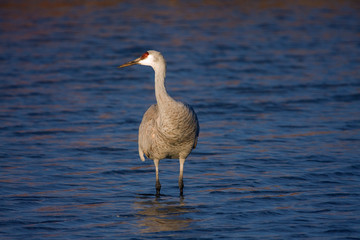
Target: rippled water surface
[{"x": 276, "y": 87}]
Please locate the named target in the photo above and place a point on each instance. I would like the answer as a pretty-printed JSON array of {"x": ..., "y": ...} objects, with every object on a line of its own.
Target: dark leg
[
  {"x": 181, "y": 182},
  {"x": 157, "y": 185}
]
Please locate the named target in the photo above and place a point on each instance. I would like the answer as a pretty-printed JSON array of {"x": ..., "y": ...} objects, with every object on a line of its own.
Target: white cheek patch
[{"x": 147, "y": 60}]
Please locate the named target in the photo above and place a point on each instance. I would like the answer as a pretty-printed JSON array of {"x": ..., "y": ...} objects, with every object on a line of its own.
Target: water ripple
[{"x": 276, "y": 89}]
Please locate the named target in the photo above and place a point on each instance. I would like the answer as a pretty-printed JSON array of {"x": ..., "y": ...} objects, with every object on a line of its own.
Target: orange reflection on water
[{"x": 159, "y": 216}]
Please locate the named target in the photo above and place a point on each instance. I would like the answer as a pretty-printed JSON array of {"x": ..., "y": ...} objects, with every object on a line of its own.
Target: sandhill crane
[{"x": 169, "y": 128}]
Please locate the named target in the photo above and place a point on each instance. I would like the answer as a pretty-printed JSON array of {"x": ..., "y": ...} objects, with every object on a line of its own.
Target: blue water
[{"x": 276, "y": 86}]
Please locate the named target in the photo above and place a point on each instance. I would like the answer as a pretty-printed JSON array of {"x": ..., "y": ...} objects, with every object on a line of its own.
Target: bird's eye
[{"x": 144, "y": 56}]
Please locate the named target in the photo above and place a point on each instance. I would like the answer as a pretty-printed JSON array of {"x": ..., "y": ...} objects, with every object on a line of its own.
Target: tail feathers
[{"x": 141, "y": 154}]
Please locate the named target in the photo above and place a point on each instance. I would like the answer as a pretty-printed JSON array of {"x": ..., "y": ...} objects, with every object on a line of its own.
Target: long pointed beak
[{"x": 136, "y": 61}]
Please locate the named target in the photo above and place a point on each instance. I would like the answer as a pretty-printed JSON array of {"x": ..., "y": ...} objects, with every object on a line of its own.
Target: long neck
[{"x": 162, "y": 97}]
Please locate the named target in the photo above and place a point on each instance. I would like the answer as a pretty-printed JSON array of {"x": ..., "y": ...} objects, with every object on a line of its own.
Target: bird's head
[{"x": 150, "y": 58}]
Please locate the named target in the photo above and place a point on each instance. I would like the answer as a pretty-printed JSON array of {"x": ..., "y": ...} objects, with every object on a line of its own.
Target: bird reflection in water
[{"x": 159, "y": 214}]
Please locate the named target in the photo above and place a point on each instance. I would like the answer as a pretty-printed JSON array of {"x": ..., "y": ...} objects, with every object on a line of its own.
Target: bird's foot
[
  {"x": 158, "y": 187},
  {"x": 181, "y": 187}
]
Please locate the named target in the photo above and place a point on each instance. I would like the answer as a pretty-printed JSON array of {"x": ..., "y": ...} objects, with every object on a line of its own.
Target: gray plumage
[{"x": 169, "y": 129}]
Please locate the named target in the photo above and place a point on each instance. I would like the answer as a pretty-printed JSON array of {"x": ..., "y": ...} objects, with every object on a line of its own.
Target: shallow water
[{"x": 276, "y": 88}]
